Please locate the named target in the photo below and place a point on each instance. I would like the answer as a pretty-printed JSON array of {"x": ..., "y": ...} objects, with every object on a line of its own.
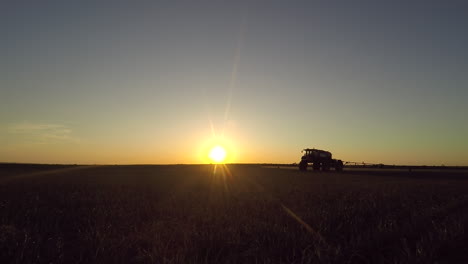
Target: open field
[{"x": 236, "y": 214}]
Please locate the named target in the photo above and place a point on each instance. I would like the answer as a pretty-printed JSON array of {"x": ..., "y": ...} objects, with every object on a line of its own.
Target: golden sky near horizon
[{"x": 163, "y": 83}]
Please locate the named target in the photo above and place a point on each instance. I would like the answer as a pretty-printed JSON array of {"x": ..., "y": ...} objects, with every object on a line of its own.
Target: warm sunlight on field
[{"x": 217, "y": 154}]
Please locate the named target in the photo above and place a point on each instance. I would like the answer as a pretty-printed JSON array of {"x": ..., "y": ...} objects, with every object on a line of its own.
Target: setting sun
[{"x": 217, "y": 154}]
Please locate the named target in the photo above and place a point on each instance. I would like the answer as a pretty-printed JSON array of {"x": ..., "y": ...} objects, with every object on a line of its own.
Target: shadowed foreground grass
[{"x": 188, "y": 214}]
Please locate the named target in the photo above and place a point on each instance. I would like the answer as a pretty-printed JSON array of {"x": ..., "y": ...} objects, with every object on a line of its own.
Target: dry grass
[{"x": 187, "y": 214}]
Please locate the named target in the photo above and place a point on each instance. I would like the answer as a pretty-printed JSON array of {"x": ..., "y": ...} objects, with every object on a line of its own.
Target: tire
[
  {"x": 303, "y": 165},
  {"x": 325, "y": 167},
  {"x": 316, "y": 166},
  {"x": 339, "y": 165}
]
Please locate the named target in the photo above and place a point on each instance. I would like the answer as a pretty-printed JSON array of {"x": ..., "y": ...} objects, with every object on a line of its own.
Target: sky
[{"x": 161, "y": 82}]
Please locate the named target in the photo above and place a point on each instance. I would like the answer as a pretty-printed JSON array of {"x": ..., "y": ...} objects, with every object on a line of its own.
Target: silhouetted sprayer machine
[{"x": 320, "y": 159}]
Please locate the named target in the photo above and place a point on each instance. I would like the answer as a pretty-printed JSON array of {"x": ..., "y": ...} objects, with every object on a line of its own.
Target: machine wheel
[
  {"x": 316, "y": 166},
  {"x": 325, "y": 166},
  {"x": 303, "y": 165},
  {"x": 339, "y": 165}
]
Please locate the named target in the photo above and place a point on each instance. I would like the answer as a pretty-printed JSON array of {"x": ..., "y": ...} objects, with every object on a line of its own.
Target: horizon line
[{"x": 233, "y": 163}]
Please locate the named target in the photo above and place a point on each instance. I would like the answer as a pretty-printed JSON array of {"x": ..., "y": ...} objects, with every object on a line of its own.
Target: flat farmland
[{"x": 231, "y": 214}]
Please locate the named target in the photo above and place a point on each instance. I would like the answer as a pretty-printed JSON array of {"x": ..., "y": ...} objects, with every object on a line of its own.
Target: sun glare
[{"x": 217, "y": 154}]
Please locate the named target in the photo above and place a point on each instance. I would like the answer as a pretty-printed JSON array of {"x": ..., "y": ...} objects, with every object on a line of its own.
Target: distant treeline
[
  {"x": 4, "y": 165},
  {"x": 384, "y": 166},
  {"x": 35, "y": 166},
  {"x": 380, "y": 166}
]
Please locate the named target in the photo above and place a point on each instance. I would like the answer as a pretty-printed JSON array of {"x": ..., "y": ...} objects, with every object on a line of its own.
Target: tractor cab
[{"x": 313, "y": 154}]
